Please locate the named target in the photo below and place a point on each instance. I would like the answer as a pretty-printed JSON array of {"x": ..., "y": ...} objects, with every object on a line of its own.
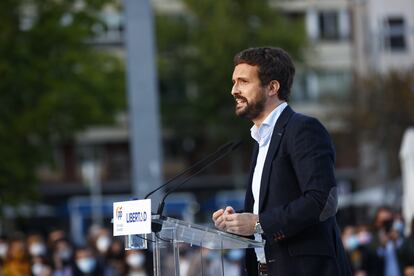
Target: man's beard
[{"x": 252, "y": 109}]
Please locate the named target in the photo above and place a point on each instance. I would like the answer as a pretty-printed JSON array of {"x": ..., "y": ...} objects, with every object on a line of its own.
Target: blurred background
[{"x": 104, "y": 100}]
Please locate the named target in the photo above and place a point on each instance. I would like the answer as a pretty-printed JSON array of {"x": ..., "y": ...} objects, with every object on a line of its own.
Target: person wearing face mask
[
  {"x": 100, "y": 239},
  {"x": 40, "y": 266},
  {"x": 385, "y": 244},
  {"x": 102, "y": 244},
  {"x": 135, "y": 260},
  {"x": 62, "y": 257},
  {"x": 350, "y": 242},
  {"x": 233, "y": 262},
  {"x": 86, "y": 264},
  {"x": 356, "y": 241},
  {"x": 36, "y": 245}
]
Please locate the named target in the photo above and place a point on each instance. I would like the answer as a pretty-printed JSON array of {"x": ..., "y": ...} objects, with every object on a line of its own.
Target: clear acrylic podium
[{"x": 166, "y": 243}]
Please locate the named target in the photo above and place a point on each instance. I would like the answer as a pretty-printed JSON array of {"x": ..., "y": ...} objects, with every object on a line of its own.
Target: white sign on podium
[{"x": 132, "y": 217}]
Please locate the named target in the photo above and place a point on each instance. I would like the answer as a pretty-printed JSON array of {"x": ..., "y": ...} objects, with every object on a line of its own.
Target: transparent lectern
[{"x": 173, "y": 233}]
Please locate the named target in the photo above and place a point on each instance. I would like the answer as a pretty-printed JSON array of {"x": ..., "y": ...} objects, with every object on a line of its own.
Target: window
[
  {"x": 394, "y": 34},
  {"x": 328, "y": 25},
  {"x": 321, "y": 86}
]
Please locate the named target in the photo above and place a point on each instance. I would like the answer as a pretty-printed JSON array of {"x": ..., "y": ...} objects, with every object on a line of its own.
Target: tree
[
  {"x": 53, "y": 84},
  {"x": 382, "y": 111},
  {"x": 196, "y": 52}
]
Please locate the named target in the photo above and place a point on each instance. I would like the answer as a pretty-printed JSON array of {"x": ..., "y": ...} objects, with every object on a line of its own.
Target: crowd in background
[
  {"x": 53, "y": 254},
  {"x": 381, "y": 247},
  {"x": 374, "y": 249}
]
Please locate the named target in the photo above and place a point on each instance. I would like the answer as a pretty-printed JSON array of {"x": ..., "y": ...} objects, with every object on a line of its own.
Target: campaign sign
[{"x": 132, "y": 217}]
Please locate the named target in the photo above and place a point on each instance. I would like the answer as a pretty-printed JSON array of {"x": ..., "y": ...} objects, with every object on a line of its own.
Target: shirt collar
[{"x": 262, "y": 134}]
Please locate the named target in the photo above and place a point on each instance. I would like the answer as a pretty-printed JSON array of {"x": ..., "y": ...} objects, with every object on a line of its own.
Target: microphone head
[{"x": 201, "y": 165}]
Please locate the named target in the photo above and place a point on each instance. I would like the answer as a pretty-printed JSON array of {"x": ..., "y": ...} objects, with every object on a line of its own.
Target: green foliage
[
  {"x": 196, "y": 53},
  {"x": 382, "y": 111},
  {"x": 53, "y": 83}
]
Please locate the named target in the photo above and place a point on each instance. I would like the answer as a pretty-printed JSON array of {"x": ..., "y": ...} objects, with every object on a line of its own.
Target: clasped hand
[{"x": 237, "y": 223}]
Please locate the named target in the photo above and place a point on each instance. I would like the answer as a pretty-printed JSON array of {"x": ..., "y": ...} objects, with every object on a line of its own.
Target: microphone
[
  {"x": 199, "y": 163},
  {"x": 204, "y": 164}
]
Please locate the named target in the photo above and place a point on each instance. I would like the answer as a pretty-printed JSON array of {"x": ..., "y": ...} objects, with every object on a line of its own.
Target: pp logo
[{"x": 119, "y": 212}]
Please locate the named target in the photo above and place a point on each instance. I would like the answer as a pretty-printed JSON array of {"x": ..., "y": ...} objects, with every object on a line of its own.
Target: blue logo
[{"x": 119, "y": 212}]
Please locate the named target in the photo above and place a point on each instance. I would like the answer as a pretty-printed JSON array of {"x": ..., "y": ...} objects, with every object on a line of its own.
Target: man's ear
[{"x": 274, "y": 86}]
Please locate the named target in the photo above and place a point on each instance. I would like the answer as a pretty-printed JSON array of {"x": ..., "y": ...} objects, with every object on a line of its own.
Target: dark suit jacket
[{"x": 298, "y": 201}]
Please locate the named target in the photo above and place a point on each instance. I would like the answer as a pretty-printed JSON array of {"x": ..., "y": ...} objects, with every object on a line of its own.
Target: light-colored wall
[
  {"x": 322, "y": 56},
  {"x": 382, "y": 59}
]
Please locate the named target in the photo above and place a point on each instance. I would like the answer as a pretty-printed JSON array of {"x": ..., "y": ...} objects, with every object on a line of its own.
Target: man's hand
[
  {"x": 241, "y": 224},
  {"x": 219, "y": 217}
]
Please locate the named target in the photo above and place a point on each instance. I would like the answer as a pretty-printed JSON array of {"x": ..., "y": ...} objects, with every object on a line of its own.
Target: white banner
[{"x": 132, "y": 217}]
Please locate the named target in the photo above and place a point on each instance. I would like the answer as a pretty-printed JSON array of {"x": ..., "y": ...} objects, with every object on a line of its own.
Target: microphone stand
[
  {"x": 209, "y": 164},
  {"x": 198, "y": 163}
]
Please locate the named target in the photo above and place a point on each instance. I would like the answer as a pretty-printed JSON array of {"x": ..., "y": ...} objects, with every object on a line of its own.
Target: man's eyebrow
[{"x": 241, "y": 78}]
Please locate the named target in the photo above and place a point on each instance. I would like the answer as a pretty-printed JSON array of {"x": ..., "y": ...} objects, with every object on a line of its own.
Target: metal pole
[
  {"x": 91, "y": 171},
  {"x": 142, "y": 97},
  {"x": 96, "y": 194}
]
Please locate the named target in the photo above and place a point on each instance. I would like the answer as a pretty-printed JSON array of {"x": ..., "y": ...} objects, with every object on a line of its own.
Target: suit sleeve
[{"x": 312, "y": 156}]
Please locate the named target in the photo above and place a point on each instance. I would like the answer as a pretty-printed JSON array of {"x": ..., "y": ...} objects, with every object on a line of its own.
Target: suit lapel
[{"x": 277, "y": 135}]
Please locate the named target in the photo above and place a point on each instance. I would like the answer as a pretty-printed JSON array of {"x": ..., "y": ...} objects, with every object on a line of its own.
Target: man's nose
[{"x": 234, "y": 90}]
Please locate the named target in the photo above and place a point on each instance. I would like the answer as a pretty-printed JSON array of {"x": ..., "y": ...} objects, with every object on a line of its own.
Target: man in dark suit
[{"x": 291, "y": 198}]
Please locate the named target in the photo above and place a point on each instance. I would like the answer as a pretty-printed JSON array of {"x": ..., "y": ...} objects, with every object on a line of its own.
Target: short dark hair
[{"x": 274, "y": 64}]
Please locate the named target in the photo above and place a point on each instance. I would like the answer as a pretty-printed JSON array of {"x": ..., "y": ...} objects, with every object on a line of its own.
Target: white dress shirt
[{"x": 262, "y": 135}]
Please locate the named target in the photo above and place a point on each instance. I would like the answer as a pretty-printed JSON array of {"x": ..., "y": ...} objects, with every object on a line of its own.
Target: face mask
[
  {"x": 364, "y": 237},
  {"x": 65, "y": 255},
  {"x": 3, "y": 250},
  {"x": 212, "y": 255},
  {"x": 351, "y": 242},
  {"x": 398, "y": 225},
  {"x": 103, "y": 243},
  {"x": 37, "y": 249},
  {"x": 235, "y": 255},
  {"x": 135, "y": 260},
  {"x": 86, "y": 265},
  {"x": 37, "y": 268}
]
